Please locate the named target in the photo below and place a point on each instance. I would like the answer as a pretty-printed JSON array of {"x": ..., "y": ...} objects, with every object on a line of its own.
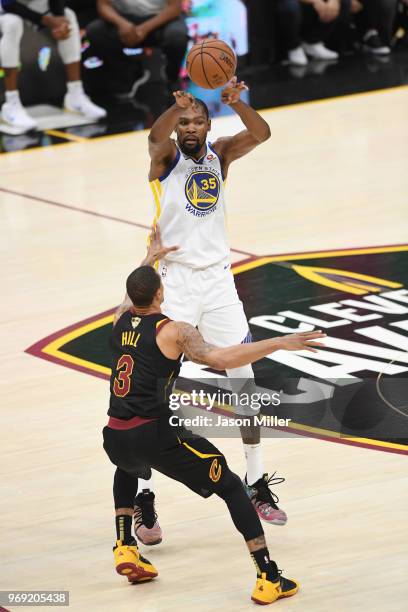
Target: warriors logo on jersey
[
  {"x": 202, "y": 191},
  {"x": 190, "y": 209}
]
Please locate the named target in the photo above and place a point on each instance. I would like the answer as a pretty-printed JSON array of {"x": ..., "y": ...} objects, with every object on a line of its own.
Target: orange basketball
[{"x": 211, "y": 63}]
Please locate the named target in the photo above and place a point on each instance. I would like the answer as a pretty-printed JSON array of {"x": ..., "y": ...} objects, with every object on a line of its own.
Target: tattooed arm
[{"x": 179, "y": 337}]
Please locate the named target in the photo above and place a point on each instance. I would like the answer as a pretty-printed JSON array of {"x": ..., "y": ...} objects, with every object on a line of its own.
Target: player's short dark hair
[
  {"x": 204, "y": 107},
  {"x": 141, "y": 285}
]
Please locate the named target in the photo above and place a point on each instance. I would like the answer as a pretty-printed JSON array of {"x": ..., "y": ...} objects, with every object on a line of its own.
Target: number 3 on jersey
[{"x": 121, "y": 384}]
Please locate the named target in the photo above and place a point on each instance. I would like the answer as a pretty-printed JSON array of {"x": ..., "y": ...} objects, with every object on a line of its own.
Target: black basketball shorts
[{"x": 185, "y": 457}]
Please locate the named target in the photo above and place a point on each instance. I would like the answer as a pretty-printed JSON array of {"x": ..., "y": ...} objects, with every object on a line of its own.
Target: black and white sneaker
[
  {"x": 147, "y": 528},
  {"x": 372, "y": 44}
]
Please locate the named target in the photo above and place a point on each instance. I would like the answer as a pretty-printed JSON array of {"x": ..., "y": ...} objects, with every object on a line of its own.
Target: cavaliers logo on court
[
  {"x": 202, "y": 190},
  {"x": 353, "y": 390},
  {"x": 215, "y": 470}
]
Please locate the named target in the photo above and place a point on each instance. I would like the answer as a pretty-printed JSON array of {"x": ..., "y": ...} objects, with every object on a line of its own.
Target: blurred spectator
[
  {"x": 62, "y": 25},
  {"x": 401, "y": 23},
  {"x": 306, "y": 25},
  {"x": 85, "y": 11},
  {"x": 140, "y": 23},
  {"x": 374, "y": 20}
]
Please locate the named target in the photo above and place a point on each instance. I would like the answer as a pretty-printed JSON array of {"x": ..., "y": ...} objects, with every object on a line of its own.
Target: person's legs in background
[
  {"x": 85, "y": 10},
  {"x": 289, "y": 20},
  {"x": 374, "y": 23},
  {"x": 315, "y": 32},
  {"x": 105, "y": 41},
  {"x": 341, "y": 35},
  {"x": 174, "y": 46},
  {"x": 172, "y": 38},
  {"x": 70, "y": 51},
  {"x": 12, "y": 111}
]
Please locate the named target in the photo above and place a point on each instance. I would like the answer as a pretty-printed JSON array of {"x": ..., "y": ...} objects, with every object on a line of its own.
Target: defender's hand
[
  {"x": 184, "y": 99},
  {"x": 232, "y": 92},
  {"x": 155, "y": 249},
  {"x": 301, "y": 341}
]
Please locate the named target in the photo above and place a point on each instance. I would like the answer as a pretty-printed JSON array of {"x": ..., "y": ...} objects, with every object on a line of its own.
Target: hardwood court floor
[{"x": 333, "y": 175}]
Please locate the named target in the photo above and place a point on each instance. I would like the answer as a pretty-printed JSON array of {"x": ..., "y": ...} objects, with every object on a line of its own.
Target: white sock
[
  {"x": 145, "y": 484},
  {"x": 12, "y": 96},
  {"x": 253, "y": 454},
  {"x": 74, "y": 87}
]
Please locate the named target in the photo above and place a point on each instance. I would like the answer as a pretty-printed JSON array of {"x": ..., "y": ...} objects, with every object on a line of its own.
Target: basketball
[{"x": 211, "y": 63}]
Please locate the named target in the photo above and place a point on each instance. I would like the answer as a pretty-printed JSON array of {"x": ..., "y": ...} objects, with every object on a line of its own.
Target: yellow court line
[
  {"x": 65, "y": 136},
  {"x": 263, "y": 110},
  {"x": 342, "y": 253},
  {"x": 53, "y": 348},
  {"x": 328, "y": 433},
  {"x": 357, "y": 94}
]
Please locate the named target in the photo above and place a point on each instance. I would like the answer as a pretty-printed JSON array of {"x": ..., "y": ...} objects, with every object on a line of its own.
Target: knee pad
[
  {"x": 12, "y": 25},
  {"x": 72, "y": 18}
]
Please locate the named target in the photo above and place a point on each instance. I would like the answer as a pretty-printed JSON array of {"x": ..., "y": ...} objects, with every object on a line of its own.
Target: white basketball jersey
[{"x": 190, "y": 210}]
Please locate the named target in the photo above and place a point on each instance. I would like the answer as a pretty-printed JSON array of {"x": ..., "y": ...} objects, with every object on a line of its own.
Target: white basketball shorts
[{"x": 206, "y": 298}]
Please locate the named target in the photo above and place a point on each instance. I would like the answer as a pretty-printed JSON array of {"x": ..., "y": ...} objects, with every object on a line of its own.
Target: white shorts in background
[{"x": 206, "y": 298}]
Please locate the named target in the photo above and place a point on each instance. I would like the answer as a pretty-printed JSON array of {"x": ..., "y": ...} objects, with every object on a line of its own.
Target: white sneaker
[
  {"x": 78, "y": 102},
  {"x": 297, "y": 57},
  {"x": 16, "y": 115},
  {"x": 319, "y": 51}
]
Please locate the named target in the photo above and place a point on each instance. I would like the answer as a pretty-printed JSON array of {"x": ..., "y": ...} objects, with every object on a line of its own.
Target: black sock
[
  {"x": 264, "y": 565},
  {"x": 124, "y": 528}
]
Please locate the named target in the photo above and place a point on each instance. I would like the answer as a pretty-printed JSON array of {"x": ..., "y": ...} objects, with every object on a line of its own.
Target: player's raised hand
[
  {"x": 302, "y": 341},
  {"x": 232, "y": 91},
  {"x": 184, "y": 99},
  {"x": 155, "y": 248}
]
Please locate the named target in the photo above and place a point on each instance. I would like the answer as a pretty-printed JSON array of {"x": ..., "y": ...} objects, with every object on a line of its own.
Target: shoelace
[
  {"x": 264, "y": 493},
  {"x": 144, "y": 513}
]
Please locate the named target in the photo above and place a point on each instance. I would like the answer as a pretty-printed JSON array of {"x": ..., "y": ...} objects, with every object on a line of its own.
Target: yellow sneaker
[
  {"x": 130, "y": 563},
  {"x": 266, "y": 592}
]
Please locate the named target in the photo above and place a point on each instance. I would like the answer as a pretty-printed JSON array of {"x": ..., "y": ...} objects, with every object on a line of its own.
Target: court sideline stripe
[
  {"x": 270, "y": 109},
  {"x": 93, "y": 213},
  {"x": 66, "y": 136}
]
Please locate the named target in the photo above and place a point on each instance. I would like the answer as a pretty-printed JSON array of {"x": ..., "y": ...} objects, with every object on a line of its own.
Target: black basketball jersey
[{"x": 142, "y": 377}]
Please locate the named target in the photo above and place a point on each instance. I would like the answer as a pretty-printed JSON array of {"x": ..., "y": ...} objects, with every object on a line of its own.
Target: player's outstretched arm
[
  {"x": 233, "y": 147},
  {"x": 155, "y": 248},
  {"x": 190, "y": 342},
  {"x": 162, "y": 148},
  {"x": 155, "y": 251}
]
